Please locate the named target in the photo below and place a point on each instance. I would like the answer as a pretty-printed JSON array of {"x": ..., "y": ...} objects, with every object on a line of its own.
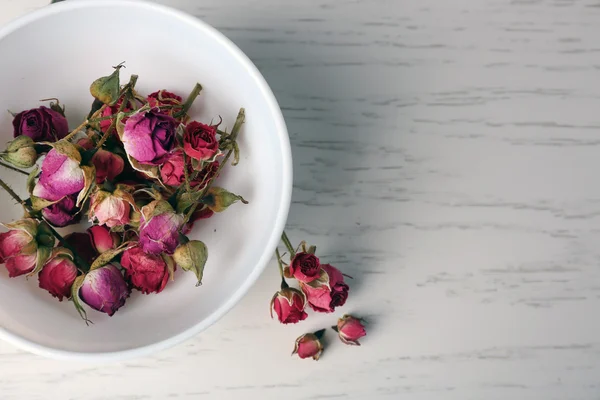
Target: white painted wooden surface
[{"x": 446, "y": 156}]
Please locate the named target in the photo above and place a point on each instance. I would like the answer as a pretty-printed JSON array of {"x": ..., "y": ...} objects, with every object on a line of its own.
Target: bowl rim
[{"x": 284, "y": 203}]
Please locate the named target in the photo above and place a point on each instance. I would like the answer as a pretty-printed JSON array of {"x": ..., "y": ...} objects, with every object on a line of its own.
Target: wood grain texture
[{"x": 446, "y": 157}]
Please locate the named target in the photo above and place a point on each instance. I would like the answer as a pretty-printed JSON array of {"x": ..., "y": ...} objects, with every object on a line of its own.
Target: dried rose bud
[
  {"x": 108, "y": 165},
  {"x": 111, "y": 209},
  {"x": 103, "y": 239},
  {"x": 149, "y": 136},
  {"x": 58, "y": 274},
  {"x": 172, "y": 172},
  {"x": 309, "y": 345},
  {"x": 350, "y": 329},
  {"x": 328, "y": 291},
  {"x": 200, "y": 141},
  {"x": 20, "y": 152},
  {"x": 192, "y": 256},
  {"x": 41, "y": 124},
  {"x": 164, "y": 98},
  {"x": 25, "y": 246},
  {"x": 159, "y": 228},
  {"x": 82, "y": 243},
  {"x": 305, "y": 267},
  {"x": 63, "y": 213},
  {"x": 149, "y": 273},
  {"x": 289, "y": 304},
  {"x": 61, "y": 176},
  {"x": 104, "y": 289}
]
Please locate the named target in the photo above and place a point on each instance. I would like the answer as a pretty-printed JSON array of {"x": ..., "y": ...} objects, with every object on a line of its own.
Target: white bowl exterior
[{"x": 57, "y": 52}]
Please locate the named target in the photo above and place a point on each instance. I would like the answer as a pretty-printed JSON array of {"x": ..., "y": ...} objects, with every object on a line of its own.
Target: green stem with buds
[
  {"x": 284, "y": 284},
  {"x": 189, "y": 101},
  {"x": 288, "y": 244}
]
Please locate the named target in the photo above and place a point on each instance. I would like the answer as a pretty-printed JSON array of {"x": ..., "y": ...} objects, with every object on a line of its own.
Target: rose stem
[
  {"x": 56, "y": 234},
  {"x": 74, "y": 131},
  {"x": 288, "y": 244},
  {"x": 190, "y": 100},
  {"x": 13, "y": 168},
  {"x": 234, "y": 133},
  {"x": 127, "y": 93},
  {"x": 284, "y": 284}
]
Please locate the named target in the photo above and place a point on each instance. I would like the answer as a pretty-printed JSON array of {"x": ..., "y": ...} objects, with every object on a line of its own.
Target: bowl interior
[{"x": 57, "y": 52}]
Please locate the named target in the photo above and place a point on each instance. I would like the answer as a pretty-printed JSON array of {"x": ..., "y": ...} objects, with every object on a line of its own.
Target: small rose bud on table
[
  {"x": 350, "y": 329},
  {"x": 309, "y": 345}
]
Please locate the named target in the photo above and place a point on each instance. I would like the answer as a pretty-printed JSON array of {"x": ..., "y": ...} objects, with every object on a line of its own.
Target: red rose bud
[
  {"x": 26, "y": 245},
  {"x": 165, "y": 98},
  {"x": 289, "y": 304},
  {"x": 192, "y": 256},
  {"x": 350, "y": 329},
  {"x": 20, "y": 152},
  {"x": 325, "y": 296},
  {"x": 58, "y": 276},
  {"x": 200, "y": 141},
  {"x": 104, "y": 289},
  {"x": 309, "y": 345},
  {"x": 108, "y": 165},
  {"x": 305, "y": 267},
  {"x": 108, "y": 111},
  {"x": 41, "y": 124},
  {"x": 149, "y": 273},
  {"x": 82, "y": 243},
  {"x": 102, "y": 239}
]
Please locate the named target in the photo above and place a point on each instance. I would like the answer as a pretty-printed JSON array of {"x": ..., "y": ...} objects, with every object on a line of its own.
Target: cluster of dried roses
[
  {"x": 140, "y": 170},
  {"x": 322, "y": 287}
]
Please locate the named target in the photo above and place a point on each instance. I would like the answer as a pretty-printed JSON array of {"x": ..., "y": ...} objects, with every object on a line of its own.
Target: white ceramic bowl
[{"x": 58, "y": 51}]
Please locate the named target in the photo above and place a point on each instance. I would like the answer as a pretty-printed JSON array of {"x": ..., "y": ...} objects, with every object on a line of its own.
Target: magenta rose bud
[
  {"x": 41, "y": 124},
  {"x": 200, "y": 141},
  {"x": 62, "y": 213},
  {"x": 103, "y": 239},
  {"x": 305, "y": 267},
  {"x": 108, "y": 165},
  {"x": 149, "y": 137},
  {"x": 172, "y": 172},
  {"x": 325, "y": 298},
  {"x": 159, "y": 228},
  {"x": 350, "y": 329},
  {"x": 61, "y": 176},
  {"x": 289, "y": 304},
  {"x": 148, "y": 272},
  {"x": 309, "y": 345},
  {"x": 104, "y": 289},
  {"x": 58, "y": 276}
]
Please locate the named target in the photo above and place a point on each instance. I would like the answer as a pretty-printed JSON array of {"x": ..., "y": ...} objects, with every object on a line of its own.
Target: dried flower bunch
[{"x": 139, "y": 169}]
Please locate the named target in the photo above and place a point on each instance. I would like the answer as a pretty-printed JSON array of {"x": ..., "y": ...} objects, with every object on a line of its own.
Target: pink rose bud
[
  {"x": 111, "y": 209},
  {"x": 41, "y": 124},
  {"x": 289, "y": 304},
  {"x": 172, "y": 172},
  {"x": 104, "y": 289},
  {"x": 108, "y": 165},
  {"x": 149, "y": 273},
  {"x": 159, "y": 228},
  {"x": 326, "y": 296},
  {"x": 63, "y": 213},
  {"x": 350, "y": 329},
  {"x": 61, "y": 176},
  {"x": 309, "y": 345},
  {"x": 200, "y": 141},
  {"x": 20, "y": 152},
  {"x": 21, "y": 246},
  {"x": 58, "y": 276},
  {"x": 149, "y": 137},
  {"x": 103, "y": 239},
  {"x": 305, "y": 267}
]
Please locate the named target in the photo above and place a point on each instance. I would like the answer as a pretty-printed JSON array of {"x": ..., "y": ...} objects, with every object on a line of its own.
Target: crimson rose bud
[
  {"x": 305, "y": 267},
  {"x": 148, "y": 272},
  {"x": 325, "y": 298},
  {"x": 58, "y": 276},
  {"x": 103, "y": 239},
  {"x": 42, "y": 124},
  {"x": 289, "y": 304},
  {"x": 82, "y": 243},
  {"x": 200, "y": 141},
  {"x": 350, "y": 329},
  {"x": 18, "y": 251},
  {"x": 104, "y": 289},
  {"x": 108, "y": 165},
  {"x": 309, "y": 345}
]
